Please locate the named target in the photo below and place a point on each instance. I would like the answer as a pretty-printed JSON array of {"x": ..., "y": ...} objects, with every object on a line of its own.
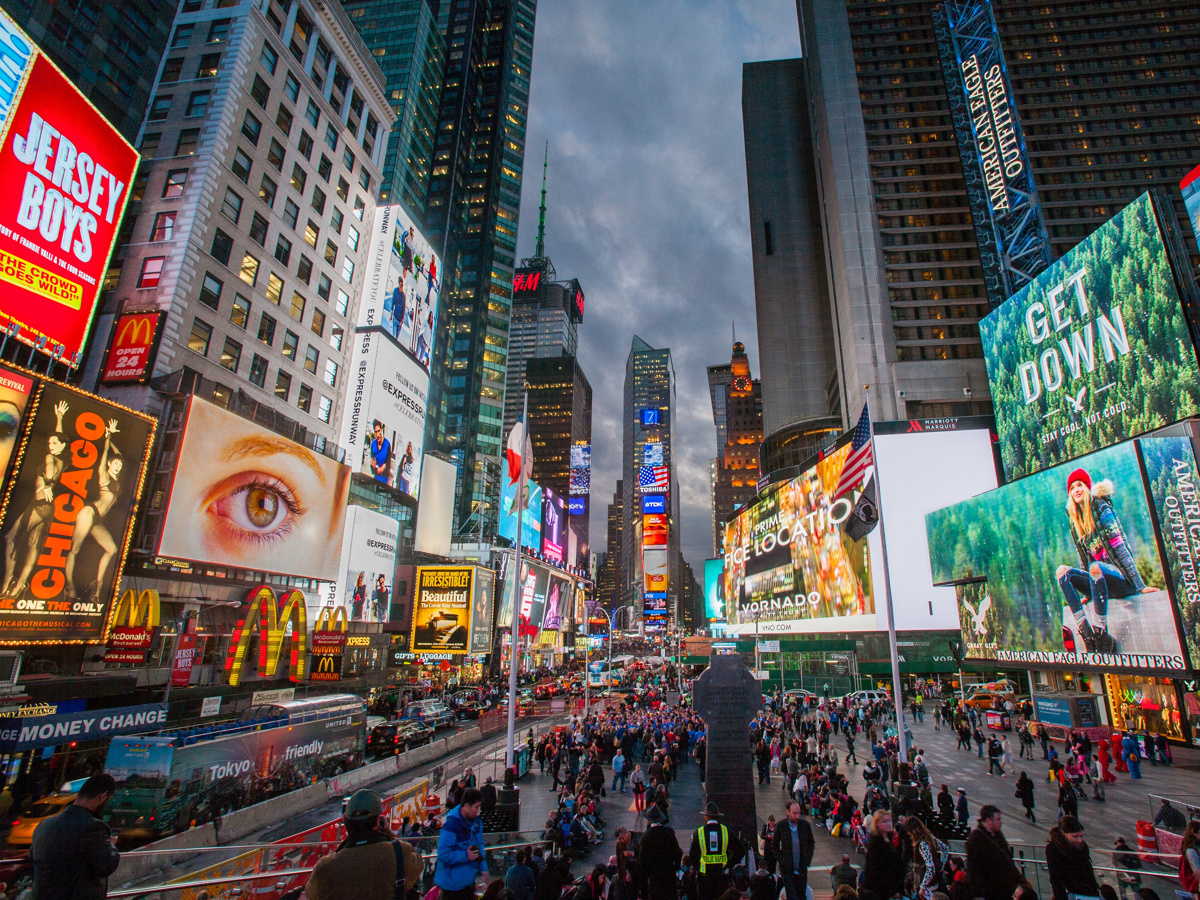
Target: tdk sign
[{"x": 654, "y": 503}]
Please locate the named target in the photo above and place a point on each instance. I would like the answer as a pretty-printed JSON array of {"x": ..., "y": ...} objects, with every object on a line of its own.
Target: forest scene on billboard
[
  {"x": 1094, "y": 350},
  {"x": 1061, "y": 568}
]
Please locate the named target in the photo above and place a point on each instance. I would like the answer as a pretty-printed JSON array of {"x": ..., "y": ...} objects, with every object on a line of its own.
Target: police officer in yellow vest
[{"x": 714, "y": 853}]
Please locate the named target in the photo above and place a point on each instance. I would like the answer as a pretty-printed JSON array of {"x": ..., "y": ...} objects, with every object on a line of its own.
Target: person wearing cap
[
  {"x": 1069, "y": 862},
  {"x": 793, "y": 847},
  {"x": 1107, "y": 567},
  {"x": 368, "y": 864},
  {"x": 659, "y": 856},
  {"x": 991, "y": 872},
  {"x": 713, "y": 852},
  {"x": 960, "y": 808},
  {"x": 460, "y": 851}
]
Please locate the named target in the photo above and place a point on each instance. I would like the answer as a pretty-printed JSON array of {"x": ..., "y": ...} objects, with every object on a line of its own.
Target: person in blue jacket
[{"x": 460, "y": 852}]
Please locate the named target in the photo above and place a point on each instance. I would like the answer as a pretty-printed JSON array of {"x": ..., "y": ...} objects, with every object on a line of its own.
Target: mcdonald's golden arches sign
[
  {"x": 130, "y": 356},
  {"x": 135, "y": 618},
  {"x": 270, "y": 616}
]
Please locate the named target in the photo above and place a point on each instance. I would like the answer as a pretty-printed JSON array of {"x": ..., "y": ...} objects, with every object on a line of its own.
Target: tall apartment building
[
  {"x": 738, "y": 414},
  {"x": 649, "y": 418},
  {"x": 472, "y": 211},
  {"x": 1102, "y": 92},
  {"x": 407, "y": 44},
  {"x": 609, "y": 585},
  {"x": 262, "y": 151},
  {"x": 111, "y": 51}
]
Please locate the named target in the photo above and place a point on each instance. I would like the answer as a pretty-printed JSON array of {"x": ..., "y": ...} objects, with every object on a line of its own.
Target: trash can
[{"x": 1147, "y": 841}]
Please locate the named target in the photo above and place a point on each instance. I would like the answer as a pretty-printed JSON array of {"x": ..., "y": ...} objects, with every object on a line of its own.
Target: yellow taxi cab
[{"x": 23, "y": 826}]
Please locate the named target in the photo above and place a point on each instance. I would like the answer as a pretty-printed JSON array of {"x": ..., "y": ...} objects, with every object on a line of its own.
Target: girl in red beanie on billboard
[{"x": 1106, "y": 564}]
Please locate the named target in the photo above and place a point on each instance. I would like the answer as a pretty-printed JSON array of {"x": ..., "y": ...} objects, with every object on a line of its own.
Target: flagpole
[
  {"x": 514, "y": 636},
  {"x": 897, "y": 694}
]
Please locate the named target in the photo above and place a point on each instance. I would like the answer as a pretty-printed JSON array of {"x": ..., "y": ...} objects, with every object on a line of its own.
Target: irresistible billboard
[
  {"x": 64, "y": 183},
  {"x": 442, "y": 610},
  {"x": 15, "y": 392},
  {"x": 483, "y": 596},
  {"x": 1093, "y": 351},
  {"x": 401, "y": 292},
  {"x": 131, "y": 348},
  {"x": 68, "y": 514},
  {"x": 368, "y": 561},
  {"x": 384, "y": 425},
  {"x": 246, "y": 497},
  {"x": 714, "y": 589},
  {"x": 1061, "y": 568},
  {"x": 531, "y": 518}
]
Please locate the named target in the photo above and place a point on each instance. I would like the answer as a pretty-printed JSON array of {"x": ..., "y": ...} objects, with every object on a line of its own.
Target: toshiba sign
[{"x": 64, "y": 183}]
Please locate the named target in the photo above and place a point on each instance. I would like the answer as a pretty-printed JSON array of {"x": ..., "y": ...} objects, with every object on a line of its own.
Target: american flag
[
  {"x": 654, "y": 478},
  {"x": 860, "y": 458}
]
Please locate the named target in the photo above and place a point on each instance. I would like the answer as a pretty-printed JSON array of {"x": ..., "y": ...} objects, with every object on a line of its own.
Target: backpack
[{"x": 409, "y": 866}]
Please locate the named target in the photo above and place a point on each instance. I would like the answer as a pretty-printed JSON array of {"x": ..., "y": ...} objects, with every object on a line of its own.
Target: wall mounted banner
[
  {"x": 18, "y": 734},
  {"x": 131, "y": 348}
]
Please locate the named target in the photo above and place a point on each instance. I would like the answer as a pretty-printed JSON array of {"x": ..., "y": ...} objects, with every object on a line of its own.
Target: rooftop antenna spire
[
  {"x": 540, "y": 250},
  {"x": 733, "y": 326}
]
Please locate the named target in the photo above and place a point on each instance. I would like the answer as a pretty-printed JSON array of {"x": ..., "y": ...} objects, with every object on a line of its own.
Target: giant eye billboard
[{"x": 1094, "y": 350}]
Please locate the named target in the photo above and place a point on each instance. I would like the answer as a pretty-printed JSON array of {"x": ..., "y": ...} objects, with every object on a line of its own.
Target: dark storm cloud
[{"x": 641, "y": 104}]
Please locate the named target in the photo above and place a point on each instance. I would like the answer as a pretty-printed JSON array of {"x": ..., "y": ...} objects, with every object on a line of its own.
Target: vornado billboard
[{"x": 1095, "y": 350}]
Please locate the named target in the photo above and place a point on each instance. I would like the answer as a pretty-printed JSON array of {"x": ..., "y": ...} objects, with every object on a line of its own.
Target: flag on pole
[
  {"x": 860, "y": 458},
  {"x": 519, "y": 452}
]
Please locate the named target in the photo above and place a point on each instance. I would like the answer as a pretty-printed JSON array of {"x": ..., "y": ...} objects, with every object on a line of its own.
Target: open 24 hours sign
[{"x": 65, "y": 174}]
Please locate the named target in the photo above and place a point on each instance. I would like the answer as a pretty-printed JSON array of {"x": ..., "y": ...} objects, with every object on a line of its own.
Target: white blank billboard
[{"x": 435, "y": 513}]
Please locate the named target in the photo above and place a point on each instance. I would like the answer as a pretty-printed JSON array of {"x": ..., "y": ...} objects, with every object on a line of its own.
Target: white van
[{"x": 863, "y": 698}]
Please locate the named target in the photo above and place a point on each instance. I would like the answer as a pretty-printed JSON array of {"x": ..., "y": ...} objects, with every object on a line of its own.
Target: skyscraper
[
  {"x": 608, "y": 585},
  {"x": 473, "y": 210},
  {"x": 738, "y": 414}
]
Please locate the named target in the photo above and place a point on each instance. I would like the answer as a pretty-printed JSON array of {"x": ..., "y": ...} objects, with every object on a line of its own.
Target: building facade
[
  {"x": 738, "y": 413},
  {"x": 609, "y": 585}
]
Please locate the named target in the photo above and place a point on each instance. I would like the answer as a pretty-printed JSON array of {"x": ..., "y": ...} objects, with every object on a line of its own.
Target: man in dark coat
[
  {"x": 74, "y": 852},
  {"x": 659, "y": 857},
  {"x": 793, "y": 846},
  {"x": 991, "y": 872}
]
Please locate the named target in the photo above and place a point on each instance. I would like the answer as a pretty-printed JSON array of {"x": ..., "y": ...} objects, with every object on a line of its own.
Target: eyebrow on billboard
[{"x": 255, "y": 446}]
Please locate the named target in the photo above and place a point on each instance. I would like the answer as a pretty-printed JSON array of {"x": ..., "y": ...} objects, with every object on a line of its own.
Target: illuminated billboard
[
  {"x": 16, "y": 389},
  {"x": 655, "y": 570},
  {"x": 546, "y": 596},
  {"x": 559, "y": 596},
  {"x": 554, "y": 525},
  {"x": 65, "y": 174},
  {"x": 581, "y": 469},
  {"x": 368, "y": 562},
  {"x": 652, "y": 453},
  {"x": 1061, "y": 568},
  {"x": 654, "y": 530},
  {"x": 68, "y": 509},
  {"x": 483, "y": 595},
  {"x": 442, "y": 609},
  {"x": 1093, "y": 351},
  {"x": 383, "y": 429},
  {"x": 400, "y": 295},
  {"x": 531, "y": 518},
  {"x": 653, "y": 503},
  {"x": 651, "y": 417},
  {"x": 246, "y": 497},
  {"x": 1190, "y": 187},
  {"x": 132, "y": 345},
  {"x": 714, "y": 589},
  {"x": 526, "y": 282},
  {"x": 577, "y": 506}
]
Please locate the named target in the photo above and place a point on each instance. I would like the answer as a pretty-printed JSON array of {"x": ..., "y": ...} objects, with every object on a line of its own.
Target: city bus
[{"x": 169, "y": 782}]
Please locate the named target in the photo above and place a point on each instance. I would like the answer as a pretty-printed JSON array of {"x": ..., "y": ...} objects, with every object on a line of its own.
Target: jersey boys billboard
[
  {"x": 64, "y": 182},
  {"x": 1096, "y": 349}
]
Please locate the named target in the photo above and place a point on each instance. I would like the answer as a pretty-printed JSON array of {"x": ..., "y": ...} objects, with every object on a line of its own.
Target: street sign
[{"x": 768, "y": 646}]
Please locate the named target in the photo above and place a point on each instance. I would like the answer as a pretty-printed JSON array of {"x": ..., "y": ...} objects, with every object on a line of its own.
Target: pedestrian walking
[
  {"x": 960, "y": 808},
  {"x": 991, "y": 872},
  {"x": 1044, "y": 739},
  {"x": 1069, "y": 862},
  {"x": 618, "y": 766},
  {"x": 659, "y": 857},
  {"x": 1007, "y": 765},
  {"x": 1024, "y": 792},
  {"x": 74, "y": 852},
  {"x": 793, "y": 846},
  {"x": 638, "y": 780}
]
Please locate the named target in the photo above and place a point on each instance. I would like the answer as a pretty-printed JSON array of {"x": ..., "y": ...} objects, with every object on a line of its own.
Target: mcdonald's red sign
[{"x": 131, "y": 347}]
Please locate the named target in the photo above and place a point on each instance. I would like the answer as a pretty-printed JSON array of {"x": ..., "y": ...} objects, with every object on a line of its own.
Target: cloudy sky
[{"x": 641, "y": 103}]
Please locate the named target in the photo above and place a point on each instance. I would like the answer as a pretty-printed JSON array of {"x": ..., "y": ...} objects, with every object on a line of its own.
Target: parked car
[
  {"x": 862, "y": 698},
  {"x": 434, "y": 713}
]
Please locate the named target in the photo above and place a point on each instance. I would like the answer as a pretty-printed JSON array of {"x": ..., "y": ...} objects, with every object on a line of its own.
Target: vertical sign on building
[{"x": 1013, "y": 245}]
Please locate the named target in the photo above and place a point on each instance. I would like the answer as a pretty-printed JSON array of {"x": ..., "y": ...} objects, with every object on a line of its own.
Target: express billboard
[
  {"x": 383, "y": 428},
  {"x": 554, "y": 521},
  {"x": 1094, "y": 350},
  {"x": 68, "y": 515},
  {"x": 132, "y": 344},
  {"x": 246, "y": 497},
  {"x": 367, "y": 566},
  {"x": 531, "y": 517},
  {"x": 401, "y": 293},
  {"x": 442, "y": 609},
  {"x": 1061, "y": 568}
]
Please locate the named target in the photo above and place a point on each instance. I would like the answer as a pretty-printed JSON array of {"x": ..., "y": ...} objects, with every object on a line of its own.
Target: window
[
  {"x": 137, "y": 190},
  {"x": 231, "y": 354},
  {"x": 324, "y": 409},
  {"x": 335, "y": 337},
  {"x": 189, "y": 140},
  {"x": 359, "y": 207},
  {"x": 299, "y": 178},
  {"x": 364, "y": 178},
  {"x": 356, "y": 110},
  {"x": 352, "y": 239},
  {"x": 318, "y": 200},
  {"x": 258, "y": 230},
  {"x": 311, "y": 357},
  {"x": 318, "y": 323},
  {"x": 210, "y": 291},
  {"x": 183, "y": 37},
  {"x": 218, "y": 30},
  {"x": 259, "y": 91},
  {"x": 335, "y": 220},
  {"x": 343, "y": 188},
  {"x": 348, "y": 159},
  {"x": 298, "y": 303},
  {"x": 343, "y": 302},
  {"x": 151, "y": 268},
  {"x": 275, "y": 155},
  {"x": 172, "y": 70},
  {"x": 200, "y": 336},
  {"x": 258, "y": 371},
  {"x": 231, "y": 206},
  {"x": 331, "y": 370},
  {"x": 266, "y": 191},
  {"x": 150, "y": 142},
  {"x": 269, "y": 58},
  {"x": 241, "y": 164},
  {"x": 291, "y": 87},
  {"x": 222, "y": 246},
  {"x": 240, "y": 314},
  {"x": 209, "y": 63},
  {"x": 312, "y": 114},
  {"x": 331, "y": 137},
  {"x": 324, "y": 286},
  {"x": 164, "y": 226},
  {"x": 274, "y": 290},
  {"x": 325, "y": 168},
  {"x": 192, "y": 5},
  {"x": 266, "y": 329},
  {"x": 283, "y": 385},
  {"x": 331, "y": 252},
  {"x": 304, "y": 269},
  {"x": 249, "y": 271},
  {"x": 290, "y": 213},
  {"x": 305, "y": 144},
  {"x": 348, "y": 269},
  {"x": 251, "y": 127},
  {"x": 160, "y": 108},
  {"x": 173, "y": 186},
  {"x": 283, "y": 249},
  {"x": 311, "y": 233},
  {"x": 290, "y": 344},
  {"x": 304, "y": 398},
  {"x": 283, "y": 118},
  {"x": 369, "y": 136}
]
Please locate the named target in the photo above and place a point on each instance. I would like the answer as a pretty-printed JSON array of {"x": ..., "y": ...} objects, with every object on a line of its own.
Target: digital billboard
[
  {"x": 581, "y": 469},
  {"x": 383, "y": 429},
  {"x": 442, "y": 609},
  {"x": 651, "y": 417},
  {"x": 559, "y": 595},
  {"x": 1190, "y": 187},
  {"x": 577, "y": 506},
  {"x": 554, "y": 525},
  {"x": 654, "y": 530},
  {"x": 531, "y": 518},
  {"x": 653, "y": 503},
  {"x": 655, "y": 569},
  {"x": 1061, "y": 568},
  {"x": 15, "y": 392},
  {"x": 246, "y": 497},
  {"x": 65, "y": 174},
  {"x": 546, "y": 596},
  {"x": 132, "y": 344},
  {"x": 400, "y": 295},
  {"x": 367, "y": 566},
  {"x": 483, "y": 595},
  {"x": 1096, "y": 349},
  {"x": 714, "y": 589},
  {"x": 68, "y": 510},
  {"x": 652, "y": 453},
  {"x": 526, "y": 282}
]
